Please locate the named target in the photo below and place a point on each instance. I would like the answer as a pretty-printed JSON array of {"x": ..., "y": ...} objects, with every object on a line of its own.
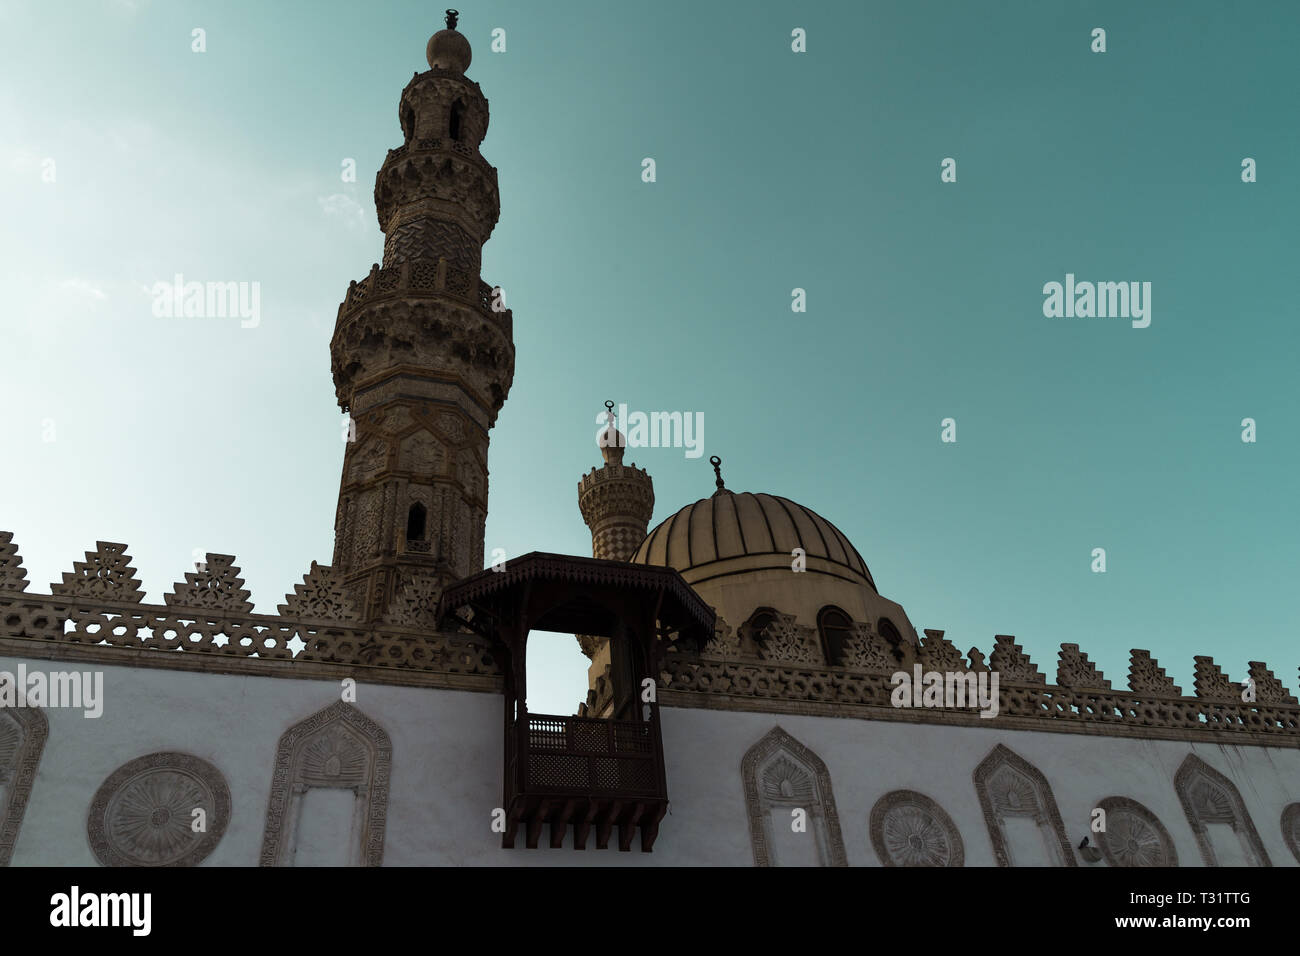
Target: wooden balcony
[
  {"x": 584, "y": 771},
  {"x": 587, "y": 772}
]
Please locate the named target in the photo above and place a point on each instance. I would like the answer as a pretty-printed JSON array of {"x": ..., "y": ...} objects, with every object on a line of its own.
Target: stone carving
[
  {"x": 1268, "y": 689},
  {"x": 23, "y": 731},
  {"x": 781, "y": 775},
  {"x": 338, "y": 747},
  {"x": 416, "y": 603},
  {"x": 1133, "y": 835},
  {"x": 13, "y": 576},
  {"x": 143, "y": 814},
  {"x": 106, "y": 574},
  {"x": 939, "y": 654},
  {"x": 865, "y": 649},
  {"x": 471, "y": 477},
  {"x": 725, "y": 642},
  {"x": 1012, "y": 664},
  {"x": 1208, "y": 797},
  {"x": 321, "y": 597},
  {"x": 423, "y": 454},
  {"x": 369, "y": 525},
  {"x": 368, "y": 460},
  {"x": 1210, "y": 682},
  {"x": 1291, "y": 829},
  {"x": 452, "y": 426},
  {"x": 217, "y": 586},
  {"x": 910, "y": 829},
  {"x": 749, "y": 684},
  {"x": 1010, "y": 786},
  {"x": 428, "y": 237},
  {"x": 1148, "y": 678},
  {"x": 784, "y": 640},
  {"x": 1077, "y": 672}
]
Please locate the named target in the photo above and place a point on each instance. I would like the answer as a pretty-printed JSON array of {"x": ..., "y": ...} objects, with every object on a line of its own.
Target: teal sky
[{"x": 775, "y": 170}]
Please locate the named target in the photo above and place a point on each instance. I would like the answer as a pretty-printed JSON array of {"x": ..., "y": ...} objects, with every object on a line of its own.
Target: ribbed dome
[{"x": 730, "y": 525}]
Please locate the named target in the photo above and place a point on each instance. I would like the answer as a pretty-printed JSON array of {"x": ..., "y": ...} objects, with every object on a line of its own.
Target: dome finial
[
  {"x": 452, "y": 16},
  {"x": 716, "y": 462}
]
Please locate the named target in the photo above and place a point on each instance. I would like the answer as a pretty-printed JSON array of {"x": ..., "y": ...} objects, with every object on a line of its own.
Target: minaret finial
[
  {"x": 716, "y": 462},
  {"x": 610, "y": 439},
  {"x": 452, "y": 16}
]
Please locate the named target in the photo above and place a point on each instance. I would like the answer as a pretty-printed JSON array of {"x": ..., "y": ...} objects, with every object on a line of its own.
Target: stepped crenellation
[{"x": 99, "y": 606}]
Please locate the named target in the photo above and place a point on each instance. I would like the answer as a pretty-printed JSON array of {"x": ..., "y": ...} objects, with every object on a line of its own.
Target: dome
[{"x": 733, "y": 533}]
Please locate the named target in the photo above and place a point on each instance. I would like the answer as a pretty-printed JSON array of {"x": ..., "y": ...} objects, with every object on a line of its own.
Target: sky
[{"x": 126, "y": 158}]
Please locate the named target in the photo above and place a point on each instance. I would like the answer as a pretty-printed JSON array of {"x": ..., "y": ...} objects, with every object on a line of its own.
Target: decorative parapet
[
  {"x": 1268, "y": 688},
  {"x": 939, "y": 654},
  {"x": 1210, "y": 682},
  {"x": 322, "y": 596},
  {"x": 215, "y": 586},
  {"x": 105, "y": 574},
  {"x": 1147, "y": 677},
  {"x": 1012, "y": 663},
  {"x": 1077, "y": 672},
  {"x": 206, "y": 623},
  {"x": 13, "y": 576},
  {"x": 1082, "y": 700}
]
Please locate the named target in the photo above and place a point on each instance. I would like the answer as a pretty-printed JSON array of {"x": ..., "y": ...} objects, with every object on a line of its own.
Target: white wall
[{"x": 447, "y": 757}]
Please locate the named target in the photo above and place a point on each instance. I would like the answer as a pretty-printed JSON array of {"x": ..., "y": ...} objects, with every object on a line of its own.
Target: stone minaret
[
  {"x": 423, "y": 354},
  {"x": 616, "y": 501}
]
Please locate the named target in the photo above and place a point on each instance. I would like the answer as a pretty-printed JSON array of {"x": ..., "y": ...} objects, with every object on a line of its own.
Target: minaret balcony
[{"x": 422, "y": 276}]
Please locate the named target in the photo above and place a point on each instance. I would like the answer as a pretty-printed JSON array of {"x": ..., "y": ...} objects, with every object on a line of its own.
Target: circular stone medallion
[{"x": 143, "y": 814}]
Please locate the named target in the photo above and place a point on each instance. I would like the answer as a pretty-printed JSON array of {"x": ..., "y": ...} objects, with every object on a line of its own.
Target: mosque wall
[{"x": 286, "y": 772}]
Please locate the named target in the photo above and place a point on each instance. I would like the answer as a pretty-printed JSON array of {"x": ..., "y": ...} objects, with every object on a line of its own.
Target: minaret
[
  {"x": 423, "y": 354},
  {"x": 616, "y": 501}
]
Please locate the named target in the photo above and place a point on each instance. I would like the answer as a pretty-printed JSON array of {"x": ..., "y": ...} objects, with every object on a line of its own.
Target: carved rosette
[
  {"x": 910, "y": 829},
  {"x": 1133, "y": 835},
  {"x": 144, "y": 813}
]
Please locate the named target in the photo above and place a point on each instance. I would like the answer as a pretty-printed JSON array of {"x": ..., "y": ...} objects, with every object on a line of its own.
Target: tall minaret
[
  {"x": 423, "y": 352},
  {"x": 616, "y": 501}
]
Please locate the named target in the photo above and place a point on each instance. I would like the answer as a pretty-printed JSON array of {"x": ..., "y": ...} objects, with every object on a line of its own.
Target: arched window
[
  {"x": 833, "y": 627},
  {"x": 786, "y": 782},
  {"x": 1020, "y": 812},
  {"x": 416, "y": 519},
  {"x": 1224, "y": 830},
  {"x": 890, "y": 633},
  {"x": 22, "y": 738},
  {"x": 758, "y": 622},
  {"x": 457, "y": 120},
  {"x": 329, "y": 792}
]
